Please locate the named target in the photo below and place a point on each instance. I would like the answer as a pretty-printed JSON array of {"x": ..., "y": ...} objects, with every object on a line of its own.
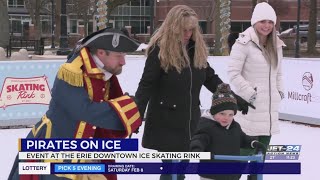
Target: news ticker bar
[
  {"x": 114, "y": 155},
  {"x": 32, "y": 145},
  {"x": 159, "y": 168}
]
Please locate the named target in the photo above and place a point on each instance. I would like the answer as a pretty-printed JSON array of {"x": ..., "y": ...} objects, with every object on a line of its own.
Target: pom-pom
[{"x": 223, "y": 88}]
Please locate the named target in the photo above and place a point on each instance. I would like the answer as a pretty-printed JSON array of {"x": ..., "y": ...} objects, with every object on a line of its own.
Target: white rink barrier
[{"x": 26, "y": 87}]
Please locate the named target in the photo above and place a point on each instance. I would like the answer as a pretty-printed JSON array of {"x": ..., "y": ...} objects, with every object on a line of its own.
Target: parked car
[
  {"x": 288, "y": 32},
  {"x": 289, "y": 38},
  {"x": 289, "y": 35},
  {"x": 303, "y": 32}
]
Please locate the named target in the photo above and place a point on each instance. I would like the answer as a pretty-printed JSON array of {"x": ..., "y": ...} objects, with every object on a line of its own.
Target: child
[{"x": 219, "y": 134}]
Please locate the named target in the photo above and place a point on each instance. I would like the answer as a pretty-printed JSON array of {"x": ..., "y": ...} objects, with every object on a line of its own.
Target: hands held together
[{"x": 243, "y": 105}]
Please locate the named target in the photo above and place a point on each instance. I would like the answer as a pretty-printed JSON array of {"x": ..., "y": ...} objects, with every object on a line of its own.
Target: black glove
[
  {"x": 260, "y": 147},
  {"x": 243, "y": 105},
  {"x": 127, "y": 94},
  {"x": 137, "y": 130}
]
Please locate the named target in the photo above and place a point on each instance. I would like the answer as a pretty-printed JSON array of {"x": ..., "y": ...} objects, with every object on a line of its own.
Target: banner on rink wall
[
  {"x": 16, "y": 91},
  {"x": 301, "y": 81},
  {"x": 25, "y": 90},
  {"x": 301, "y": 78},
  {"x": 302, "y": 89}
]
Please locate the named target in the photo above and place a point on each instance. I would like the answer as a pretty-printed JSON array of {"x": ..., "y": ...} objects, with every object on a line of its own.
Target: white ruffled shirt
[{"x": 100, "y": 65}]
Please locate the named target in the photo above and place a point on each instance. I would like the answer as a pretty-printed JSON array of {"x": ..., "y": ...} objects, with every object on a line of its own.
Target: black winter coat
[
  {"x": 173, "y": 110},
  {"x": 210, "y": 136}
]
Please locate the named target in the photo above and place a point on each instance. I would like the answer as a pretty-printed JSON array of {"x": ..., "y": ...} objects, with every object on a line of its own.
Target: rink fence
[{"x": 26, "y": 88}]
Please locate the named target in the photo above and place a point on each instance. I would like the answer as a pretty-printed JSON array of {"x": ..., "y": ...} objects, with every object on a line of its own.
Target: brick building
[
  {"x": 240, "y": 13},
  {"x": 136, "y": 17}
]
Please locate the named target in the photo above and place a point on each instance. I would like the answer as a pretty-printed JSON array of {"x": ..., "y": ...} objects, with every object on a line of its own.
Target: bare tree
[
  {"x": 280, "y": 7},
  {"x": 34, "y": 8},
  {"x": 57, "y": 20},
  {"x": 4, "y": 21},
  {"x": 312, "y": 32},
  {"x": 212, "y": 13},
  {"x": 253, "y": 3},
  {"x": 85, "y": 10}
]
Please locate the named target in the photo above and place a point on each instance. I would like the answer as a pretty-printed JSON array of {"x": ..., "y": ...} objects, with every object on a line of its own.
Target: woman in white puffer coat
[{"x": 255, "y": 73}]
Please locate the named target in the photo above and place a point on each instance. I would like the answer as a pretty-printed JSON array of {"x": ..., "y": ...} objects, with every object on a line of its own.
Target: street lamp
[
  {"x": 298, "y": 31},
  {"x": 52, "y": 24},
  {"x": 151, "y": 16},
  {"x": 63, "y": 49}
]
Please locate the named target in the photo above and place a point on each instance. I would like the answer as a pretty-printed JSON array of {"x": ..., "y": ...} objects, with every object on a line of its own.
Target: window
[
  {"x": 147, "y": 3},
  {"x": 16, "y": 3},
  {"x": 73, "y": 26},
  {"x": 239, "y": 26},
  {"x": 140, "y": 3},
  {"x": 135, "y": 14},
  {"x": 16, "y": 26},
  {"x": 236, "y": 27},
  {"x": 25, "y": 29},
  {"x": 90, "y": 27},
  {"x": 286, "y": 25},
  {"x": 203, "y": 26},
  {"x": 46, "y": 27},
  {"x": 45, "y": 22},
  {"x": 135, "y": 3},
  {"x": 81, "y": 23}
]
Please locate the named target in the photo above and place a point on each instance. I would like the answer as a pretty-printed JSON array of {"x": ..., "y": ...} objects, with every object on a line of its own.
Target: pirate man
[{"x": 87, "y": 100}]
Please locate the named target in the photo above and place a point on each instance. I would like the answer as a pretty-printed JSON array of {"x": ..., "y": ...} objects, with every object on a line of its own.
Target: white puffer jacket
[{"x": 248, "y": 69}]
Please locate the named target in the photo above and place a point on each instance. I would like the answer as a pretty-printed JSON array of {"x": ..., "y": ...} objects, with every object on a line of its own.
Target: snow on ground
[{"x": 290, "y": 134}]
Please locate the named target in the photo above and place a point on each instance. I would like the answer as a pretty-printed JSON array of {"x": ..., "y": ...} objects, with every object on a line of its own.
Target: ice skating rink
[{"x": 295, "y": 134}]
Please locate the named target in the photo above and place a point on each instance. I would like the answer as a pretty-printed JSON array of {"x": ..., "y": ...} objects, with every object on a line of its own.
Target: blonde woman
[
  {"x": 175, "y": 70},
  {"x": 255, "y": 72}
]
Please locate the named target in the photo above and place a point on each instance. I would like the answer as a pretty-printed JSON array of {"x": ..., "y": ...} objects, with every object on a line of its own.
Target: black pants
[{"x": 169, "y": 176}]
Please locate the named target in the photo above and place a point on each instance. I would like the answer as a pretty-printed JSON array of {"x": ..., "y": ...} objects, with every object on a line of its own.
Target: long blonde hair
[
  {"x": 270, "y": 50},
  {"x": 168, "y": 37}
]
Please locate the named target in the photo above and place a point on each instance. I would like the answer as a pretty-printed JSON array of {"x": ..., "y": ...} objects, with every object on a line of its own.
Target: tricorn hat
[{"x": 110, "y": 39}]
